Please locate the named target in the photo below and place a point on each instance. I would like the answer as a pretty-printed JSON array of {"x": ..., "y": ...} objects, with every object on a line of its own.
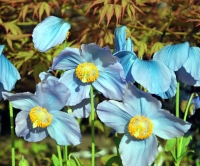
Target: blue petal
[
  {"x": 129, "y": 45},
  {"x": 111, "y": 81},
  {"x": 185, "y": 77},
  {"x": 120, "y": 38},
  {"x": 192, "y": 64},
  {"x": 64, "y": 129},
  {"x": 79, "y": 90},
  {"x": 126, "y": 59},
  {"x": 68, "y": 59},
  {"x": 1, "y": 90},
  {"x": 167, "y": 126},
  {"x": 115, "y": 114},
  {"x": 49, "y": 33},
  {"x": 82, "y": 110},
  {"x": 174, "y": 56},
  {"x": 52, "y": 94},
  {"x": 8, "y": 73},
  {"x": 172, "y": 89},
  {"x": 24, "y": 128},
  {"x": 97, "y": 55},
  {"x": 135, "y": 152},
  {"x": 45, "y": 75},
  {"x": 155, "y": 76},
  {"x": 23, "y": 101},
  {"x": 140, "y": 101},
  {"x": 1, "y": 49}
]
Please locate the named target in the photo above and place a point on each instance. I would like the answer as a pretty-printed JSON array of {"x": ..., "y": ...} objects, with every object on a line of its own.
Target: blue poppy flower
[
  {"x": 8, "y": 73},
  {"x": 40, "y": 114},
  {"x": 92, "y": 65},
  {"x": 141, "y": 119},
  {"x": 50, "y": 32}
]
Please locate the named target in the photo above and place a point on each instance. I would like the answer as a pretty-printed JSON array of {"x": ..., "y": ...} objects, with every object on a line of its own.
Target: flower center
[
  {"x": 40, "y": 117},
  {"x": 87, "y": 72},
  {"x": 68, "y": 34},
  {"x": 140, "y": 127}
]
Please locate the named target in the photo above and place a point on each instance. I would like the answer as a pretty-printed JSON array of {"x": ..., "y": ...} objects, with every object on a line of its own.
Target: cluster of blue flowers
[{"x": 136, "y": 114}]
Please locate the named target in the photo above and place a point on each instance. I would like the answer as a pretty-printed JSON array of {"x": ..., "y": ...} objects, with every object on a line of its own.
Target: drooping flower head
[
  {"x": 50, "y": 32},
  {"x": 141, "y": 119},
  {"x": 153, "y": 75},
  {"x": 8, "y": 73},
  {"x": 40, "y": 114},
  {"x": 92, "y": 65}
]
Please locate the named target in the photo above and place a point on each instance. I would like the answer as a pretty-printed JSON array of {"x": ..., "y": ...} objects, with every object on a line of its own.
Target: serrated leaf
[
  {"x": 170, "y": 144},
  {"x": 103, "y": 12},
  {"x": 110, "y": 12},
  {"x": 55, "y": 160},
  {"x": 17, "y": 37},
  {"x": 118, "y": 12},
  {"x": 128, "y": 10},
  {"x": 10, "y": 44},
  {"x": 47, "y": 8},
  {"x": 142, "y": 49},
  {"x": 24, "y": 12},
  {"x": 41, "y": 10},
  {"x": 36, "y": 8},
  {"x": 156, "y": 47},
  {"x": 124, "y": 3},
  {"x": 93, "y": 4}
]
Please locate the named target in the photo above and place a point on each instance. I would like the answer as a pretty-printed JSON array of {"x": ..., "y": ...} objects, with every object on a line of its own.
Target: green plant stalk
[
  {"x": 59, "y": 155},
  {"x": 12, "y": 134},
  {"x": 75, "y": 159},
  {"x": 185, "y": 116},
  {"x": 92, "y": 125},
  {"x": 65, "y": 155},
  {"x": 177, "y": 115}
]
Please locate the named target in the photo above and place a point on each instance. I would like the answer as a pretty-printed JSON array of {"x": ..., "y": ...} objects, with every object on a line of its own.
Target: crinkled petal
[
  {"x": 111, "y": 81},
  {"x": 172, "y": 89},
  {"x": 23, "y": 101},
  {"x": 167, "y": 126},
  {"x": 138, "y": 152},
  {"x": 79, "y": 90},
  {"x": 50, "y": 32},
  {"x": 64, "y": 129},
  {"x": 126, "y": 59},
  {"x": 115, "y": 114},
  {"x": 120, "y": 38},
  {"x": 153, "y": 75},
  {"x": 185, "y": 77},
  {"x": 52, "y": 94},
  {"x": 68, "y": 59},
  {"x": 143, "y": 103},
  {"x": 97, "y": 55},
  {"x": 173, "y": 56},
  {"x": 24, "y": 128},
  {"x": 8, "y": 73},
  {"x": 82, "y": 110}
]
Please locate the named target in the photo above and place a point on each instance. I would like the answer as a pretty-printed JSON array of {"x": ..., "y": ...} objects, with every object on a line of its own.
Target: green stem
[
  {"x": 12, "y": 134},
  {"x": 116, "y": 135},
  {"x": 65, "y": 155},
  {"x": 185, "y": 116},
  {"x": 177, "y": 115},
  {"x": 92, "y": 124},
  {"x": 59, "y": 155},
  {"x": 75, "y": 159}
]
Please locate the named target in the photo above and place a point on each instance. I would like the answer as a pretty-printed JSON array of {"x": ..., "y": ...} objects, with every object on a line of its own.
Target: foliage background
[{"x": 152, "y": 24}]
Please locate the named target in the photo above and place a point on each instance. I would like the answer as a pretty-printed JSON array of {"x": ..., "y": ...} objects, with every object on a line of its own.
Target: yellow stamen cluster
[
  {"x": 40, "y": 117},
  {"x": 140, "y": 127},
  {"x": 87, "y": 72},
  {"x": 68, "y": 34}
]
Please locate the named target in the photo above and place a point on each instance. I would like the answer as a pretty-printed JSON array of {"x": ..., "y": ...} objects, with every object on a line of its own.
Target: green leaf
[
  {"x": 36, "y": 148},
  {"x": 186, "y": 140},
  {"x": 116, "y": 141},
  {"x": 71, "y": 162},
  {"x": 118, "y": 12},
  {"x": 156, "y": 47},
  {"x": 55, "y": 160},
  {"x": 170, "y": 144},
  {"x": 103, "y": 12},
  {"x": 98, "y": 125},
  {"x": 112, "y": 160},
  {"x": 47, "y": 8},
  {"x": 38, "y": 69},
  {"x": 110, "y": 12},
  {"x": 23, "y": 162},
  {"x": 142, "y": 49}
]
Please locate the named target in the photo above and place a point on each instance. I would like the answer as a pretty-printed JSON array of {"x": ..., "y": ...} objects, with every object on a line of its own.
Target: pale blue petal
[
  {"x": 79, "y": 90},
  {"x": 142, "y": 102},
  {"x": 120, "y": 38},
  {"x": 185, "y": 77},
  {"x": 1, "y": 49},
  {"x": 8, "y": 73},
  {"x": 167, "y": 126},
  {"x": 24, "y": 128},
  {"x": 64, "y": 129},
  {"x": 174, "y": 56},
  {"x": 153, "y": 75},
  {"x": 115, "y": 114},
  {"x": 23, "y": 101},
  {"x": 82, "y": 110},
  {"x": 135, "y": 152},
  {"x": 126, "y": 59},
  {"x": 129, "y": 45},
  {"x": 172, "y": 89},
  {"x": 111, "y": 81},
  {"x": 45, "y": 75},
  {"x": 49, "y": 33},
  {"x": 97, "y": 55},
  {"x": 52, "y": 94},
  {"x": 68, "y": 59}
]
